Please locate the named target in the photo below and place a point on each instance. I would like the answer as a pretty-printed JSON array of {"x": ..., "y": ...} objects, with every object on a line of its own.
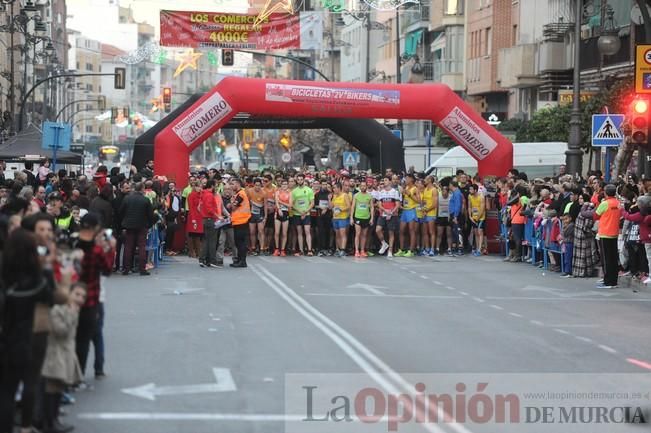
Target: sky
[{"x": 148, "y": 10}]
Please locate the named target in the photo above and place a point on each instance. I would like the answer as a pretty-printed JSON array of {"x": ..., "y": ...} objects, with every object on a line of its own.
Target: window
[
  {"x": 89, "y": 128},
  {"x": 89, "y": 66},
  {"x": 489, "y": 42},
  {"x": 77, "y": 65},
  {"x": 89, "y": 87},
  {"x": 482, "y": 47}
]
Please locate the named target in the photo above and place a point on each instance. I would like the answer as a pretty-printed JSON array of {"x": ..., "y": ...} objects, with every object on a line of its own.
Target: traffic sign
[
  {"x": 56, "y": 136},
  {"x": 643, "y": 69},
  {"x": 351, "y": 159},
  {"x": 606, "y": 130},
  {"x": 286, "y": 157}
]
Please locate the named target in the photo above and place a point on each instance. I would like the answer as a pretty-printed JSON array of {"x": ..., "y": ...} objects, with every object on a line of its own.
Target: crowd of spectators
[{"x": 62, "y": 234}]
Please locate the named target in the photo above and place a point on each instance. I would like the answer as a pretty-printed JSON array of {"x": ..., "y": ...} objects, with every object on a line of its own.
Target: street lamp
[{"x": 607, "y": 44}]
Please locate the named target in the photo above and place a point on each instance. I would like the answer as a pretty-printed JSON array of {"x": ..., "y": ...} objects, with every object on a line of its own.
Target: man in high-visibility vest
[{"x": 240, "y": 215}]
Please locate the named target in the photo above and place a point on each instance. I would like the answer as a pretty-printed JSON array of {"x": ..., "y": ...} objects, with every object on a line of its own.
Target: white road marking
[
  {"x": 412, "y": 272},
  {"x": 223, "y": 383},
  {"x": 173, "y": 416},
  {"x": 562, "y": 331},
  {"x": 584, "y": 339},
  {"x": 424, "y": 277},
  {"x": 273, "y": 259},
  {"x": 464, "y": 293},
  {"x": 574, "y": 326},
  {"x": 360, "y": 354},
  {"x": 536, "y": 322},
  {"x": 480, "y": 300},
  {"x": 606, "y": 348},
  {"x": 381, "y": 295},
  {"x": 450, "y": 288},
  {"x": 560, "y": 299},
  {"x": 368, "y": 287},
  {"x": 519, "y": 316},
  {"x": 497, "y": 307},
  {"x": 318, "y": 260},
  {"x": 438, "y": 283}
]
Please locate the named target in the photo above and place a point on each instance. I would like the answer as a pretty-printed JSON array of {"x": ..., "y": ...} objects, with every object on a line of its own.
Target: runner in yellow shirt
[{"x": 477, "y": 215}]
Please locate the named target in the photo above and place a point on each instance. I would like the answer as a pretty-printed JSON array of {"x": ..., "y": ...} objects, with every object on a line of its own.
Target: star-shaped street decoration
[
  {"x": 188, "y": 61},
  {"x": 161, "y": 57},
  {"x": 156, "y": 104},
  {"x": 273, "y": 6}
]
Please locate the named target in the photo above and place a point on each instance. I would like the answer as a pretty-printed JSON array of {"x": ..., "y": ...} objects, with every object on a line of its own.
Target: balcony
[
  {"x": 516, "y": 66},
  {"x": 590, "y": 56},
  {"x": 555, "y": 56},
  {"x": 448, "y": 72},
  {"x": 414, "y": 18}
]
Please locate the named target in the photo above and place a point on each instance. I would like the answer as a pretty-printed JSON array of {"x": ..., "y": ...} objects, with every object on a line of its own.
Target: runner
[
  {"x": 302, "y": 202},
  {"x": 340, "y": 204},
  {"x": 477, "y": 216},
  {"x": 258, "y": 216},
  {"x": 409, "y": 218},
  {"x": 422, "y": 233},
  {"x": 443, "y": 222},
  {"x": 324, "y": 220},
  {"x": 270, "y": 208},
  {"x": 362, "y": 217},
  {"x": 282, "y": 204},
  {"x": 388, "y": 204},
  {"x": 430, "y": 207}
]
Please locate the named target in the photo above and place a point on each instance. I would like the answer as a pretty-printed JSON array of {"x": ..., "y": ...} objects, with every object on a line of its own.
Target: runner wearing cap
[{"x": 443, "y": 223}]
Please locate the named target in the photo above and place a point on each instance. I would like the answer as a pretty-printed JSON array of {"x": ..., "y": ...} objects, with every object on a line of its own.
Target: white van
[{"x": 535, "y": 159}]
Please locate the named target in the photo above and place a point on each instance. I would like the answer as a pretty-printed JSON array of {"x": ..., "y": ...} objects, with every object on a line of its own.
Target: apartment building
[{"x": 84, "y": 57}]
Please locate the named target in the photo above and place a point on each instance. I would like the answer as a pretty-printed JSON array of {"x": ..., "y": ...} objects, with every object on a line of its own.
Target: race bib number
[
  {"x": 336, "y": 211},
  {"x": 283, "y": 208},
  {"x": 323, "y": 204},
  {"x": 363, "y": 206},
  {"x": 255, "y": 210},
  {"x": 301, "y": 202}
]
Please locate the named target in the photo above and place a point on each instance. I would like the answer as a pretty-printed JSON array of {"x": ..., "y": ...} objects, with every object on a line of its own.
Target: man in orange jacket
[{"x": 240, "y": 216}]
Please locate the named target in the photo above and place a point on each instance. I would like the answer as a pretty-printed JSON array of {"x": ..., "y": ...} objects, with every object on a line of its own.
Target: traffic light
[
  {"x": 167, "y": 99},
  {"x": 640, "y": 121},
  {"x": 228, "y": 57},
  {"x": 286, "y": 140}
]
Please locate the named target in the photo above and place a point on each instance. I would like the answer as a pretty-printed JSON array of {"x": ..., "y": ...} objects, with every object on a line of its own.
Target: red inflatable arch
[{"x": 299, "y": 99}]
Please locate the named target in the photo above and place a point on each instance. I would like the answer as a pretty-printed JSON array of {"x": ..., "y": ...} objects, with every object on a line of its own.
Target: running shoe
[
  {"x": 369, "y": 254},
  {"x": 297, "y": 254},
  {"x": 310, "y": 253},
  {"x": 604, "y": 286},
  {"x": 408, "y": 253},
  {"x": 390, "y": 254},
  {"x": 431, "y": 253},
  {"x": 450, "y": 253},
  {"x": 363, "y": 254},
  {"x": 276, "y": 252},
  {"x": 383, "y": 248},
  {"x": 357, "y": 254},
  {"x": 400, "y": 253},
  {"x": 283, "y": 253},
  {"x": 647, "y": 281}
]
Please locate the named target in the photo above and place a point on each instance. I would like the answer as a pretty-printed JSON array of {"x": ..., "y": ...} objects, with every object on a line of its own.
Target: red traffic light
[
  {"x": 167, "y": 95},
  {"x": 639, "y": 122},
  {"x": 640, "y": 106}
]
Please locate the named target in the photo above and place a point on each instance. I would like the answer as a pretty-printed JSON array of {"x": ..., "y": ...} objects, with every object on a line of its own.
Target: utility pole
[{"x": 398, "y": 72}]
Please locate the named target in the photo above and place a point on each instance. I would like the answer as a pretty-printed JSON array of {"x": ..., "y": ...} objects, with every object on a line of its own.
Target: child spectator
[{"x": 61, "y": 366}]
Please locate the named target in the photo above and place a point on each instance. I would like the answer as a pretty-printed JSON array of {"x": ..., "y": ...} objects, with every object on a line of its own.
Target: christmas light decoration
[{"x": 188, "y": 61}]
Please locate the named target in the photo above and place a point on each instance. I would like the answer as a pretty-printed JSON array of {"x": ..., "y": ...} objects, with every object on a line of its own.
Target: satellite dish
[{"x": 636, "y": 14}]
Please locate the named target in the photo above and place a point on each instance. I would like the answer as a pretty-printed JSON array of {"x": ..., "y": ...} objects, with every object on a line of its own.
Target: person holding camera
[{"x": 99, "y": 251}]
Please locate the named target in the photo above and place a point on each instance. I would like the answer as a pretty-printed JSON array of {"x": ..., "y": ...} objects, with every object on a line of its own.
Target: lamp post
[
  {"x": 20, "y": 23},
  {"x": 398, "y": 75},
  {"x": 608, "y": 44}
]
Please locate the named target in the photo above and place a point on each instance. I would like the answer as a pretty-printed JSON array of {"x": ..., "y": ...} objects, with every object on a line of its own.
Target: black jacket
[
  {"x": 104, "y": 209},
  {"x": 137, "y": 212}
]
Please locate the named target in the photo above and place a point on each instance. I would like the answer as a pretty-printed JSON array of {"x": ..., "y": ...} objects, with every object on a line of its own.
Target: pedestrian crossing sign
[
  {"x": 351, "y": 159},
  {"x": 607, "y": 129}
]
